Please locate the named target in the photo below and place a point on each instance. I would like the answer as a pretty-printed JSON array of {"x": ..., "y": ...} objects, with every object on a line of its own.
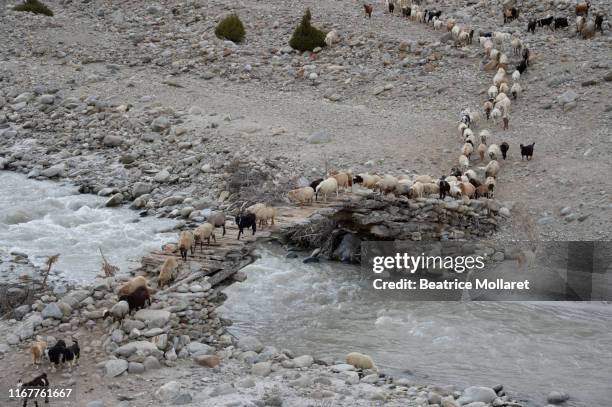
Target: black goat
[
  {"x": 527, "y": 151},
  {"x": 137, "y": 299},
  {"x": 546, "y": 21},
  {"x": 456, "y": 172},
  {"x": 522, "y": 67},
  {"x": 433, "y": 14},
  {"x": 38, "y": 381},
  {"x": 510, "y": 14},
  {"x": 526, "y": 54},
  {"x": 72, "y": 353},
  {"x": 444, "y": 188},
  {"x": 315, "y": 183},
  {"x": 391, "y": 6},
  {"x": 245, "y": 221},
  {"x": 599, "y": 22},
  {"x": 561, "y": 22},
  {"x": 357, "y": 179},
  {"x": 531, "y": 26},
  {"x": 56, "y": 353},
  {"x": 504, "y": 149},
  {"x": 488, "y": 34}
]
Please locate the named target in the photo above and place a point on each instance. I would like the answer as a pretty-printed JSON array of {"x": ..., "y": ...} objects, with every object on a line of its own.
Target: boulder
[
  {"x": 168, "y": 391},
  {"x": 52, "y": 310},
  {"x": 475, "y": 394},
  {"x": 141, "y": 347},
  {"x": 250, "y": 343},
  {"x": 153, "y": 317},
  {"x": 115, "y": 367}
]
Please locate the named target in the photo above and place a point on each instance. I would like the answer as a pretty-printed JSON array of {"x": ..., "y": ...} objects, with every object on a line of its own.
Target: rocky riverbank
[{"x": 148, "y": 357}]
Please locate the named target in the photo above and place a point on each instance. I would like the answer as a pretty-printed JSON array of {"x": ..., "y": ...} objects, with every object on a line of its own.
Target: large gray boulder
[
  {"x": 52, "y": 310},
  {"x": 115, "y": 367}
]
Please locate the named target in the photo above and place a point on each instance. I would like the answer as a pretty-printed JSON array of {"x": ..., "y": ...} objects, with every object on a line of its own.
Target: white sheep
[
  {"x": 360, "y": 361},
  {"x": 516, "y": 75},
  {"x": 387, "y": 184},
  {"x": 474, "y": 118},
  {"x": 517, "y": 45},
  {"x": 332, "y": 38},
  {"x": 467, "y": 149},
  {"x": 204, "y": 232},
  {"x": 462, "y": 126},
  {"x": 438, "y": 24},
  {"x": 423, "y": 179},
  {"x": 471, "y": 139},
  {"x": 494, "y": 152},
  {"x": 516, "y": 90},
  {"x": 431, "y": 188},
  {"x": 496, "y": 114},
  {"x": 464, "y": 162},
  {"x": 500, "y": 96},
  {"x": 327, "y": 187},
  {"x": 504, "y": 88},
  {"x": 499, "y": 77},
  {"x": 490, "y": 181},
  {"x": 482, "y": 149},
  {"x": 493, "y": 91},
  {"x": 455, "y": 31},
  {"x": 504, "y": 106},
  {"x": 467, "y": 133},
  {"x": 492, "y": 169},
  {"x": 450, "y": 24},
  {"x": 488, "y": 47},
  {"x": 484, "y": 134},
  {"x": 369, "y": 180},
  {"x": 580, "y": 22},
  {"x": 470, "y": 174},
  {"x": 403, "y": 187},
  {"x": 417, "y": 190}
]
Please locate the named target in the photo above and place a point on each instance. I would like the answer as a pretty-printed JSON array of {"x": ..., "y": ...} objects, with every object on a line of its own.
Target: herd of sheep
[{"x": 464, "y": 182}]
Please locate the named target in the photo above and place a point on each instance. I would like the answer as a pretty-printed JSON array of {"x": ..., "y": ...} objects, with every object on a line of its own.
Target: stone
[
  {"x": 52, "y": 310},
  {"x": 250, "y": 343},
  {"x": 303, "y": 361},
  {"x": 114, "y": 200},
  {"x": 153, "y": 317},
  {"x": 208, "y": 360},
  {"x": 46, "y": 99},
  {"x": 261, "y": 369},
  {"x": 115, "y": 367},
  {"x": 195, "y": 348},
  {"x": 557, "y": 397},
  {"x": 162, "y": 176},
  {"x": 476, "y": 394},
  {"x": 136, "y": 368},
  {"x": 151, "y": 363},
  {"x": 319, "y": 137},
  {"x": 222, "y": 389},
  {"x": 112, "y": 141},
  {"x": 141, "y": 188},
  {"x": 168, "y": 392},
  {"x": 54, "y": 171},
  {"x": 160, "y": 124},
  {"x": 568, "y": 96},
  {"x": 95, "y": 403},
  {"x": 171, "y": 201},
  {"x": 143, "y": 347}
]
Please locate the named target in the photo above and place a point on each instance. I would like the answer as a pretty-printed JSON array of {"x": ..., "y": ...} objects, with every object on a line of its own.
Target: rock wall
[{"x": 383, "y": 218}]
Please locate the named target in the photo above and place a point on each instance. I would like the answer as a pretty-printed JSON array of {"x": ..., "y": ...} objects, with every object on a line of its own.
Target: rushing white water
[
  {"x": 46, "y": 218},
  {"x": 328, "y": 309}
]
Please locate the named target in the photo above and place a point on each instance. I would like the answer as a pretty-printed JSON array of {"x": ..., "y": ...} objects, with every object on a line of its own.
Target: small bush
[
  {"x": 231, "y": 28},
  {"x": 34, "y": 6},
  {"x": 306, "y": 37}
]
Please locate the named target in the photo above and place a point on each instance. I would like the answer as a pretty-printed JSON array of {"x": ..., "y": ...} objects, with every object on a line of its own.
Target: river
[
  {"x": 328, "y": 309},
  {"x": 42, "y": 218}
]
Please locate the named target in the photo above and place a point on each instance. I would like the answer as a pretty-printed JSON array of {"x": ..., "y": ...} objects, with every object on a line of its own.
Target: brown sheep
[
  {"x": 583, "y": 8},
  {"x": 132, "y": 285},
  {"x": 186, "y": 243},
  {"x": 167, "y": 273},
  {"x": 204, "y": 232},
  {"x": 217, "y": 219},
  {"x": 264, "y": 214},
  {"x": 467, "y": 189}
]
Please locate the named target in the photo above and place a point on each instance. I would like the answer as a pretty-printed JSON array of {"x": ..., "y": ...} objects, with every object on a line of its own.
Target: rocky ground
[{"x": 140, "y": 102}]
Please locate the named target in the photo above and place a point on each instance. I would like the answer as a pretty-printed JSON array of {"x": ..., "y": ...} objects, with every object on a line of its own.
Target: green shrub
[
  {"x": 34, "y": 6},
  {"x": 231, "y": 28},
  {"x": 306, "y": 37}
]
